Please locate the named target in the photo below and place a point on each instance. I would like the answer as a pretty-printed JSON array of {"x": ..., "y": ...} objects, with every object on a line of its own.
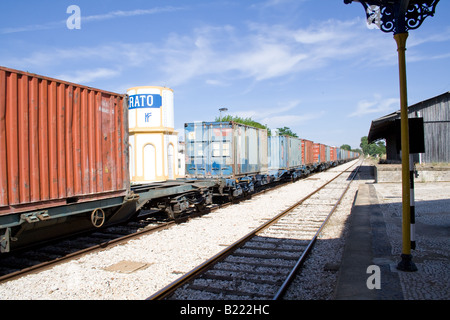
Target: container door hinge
[{"x": 5, "y": 239}]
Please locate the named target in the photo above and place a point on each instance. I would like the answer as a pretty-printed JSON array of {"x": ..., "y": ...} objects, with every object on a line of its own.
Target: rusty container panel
[
  {"x": 316, "y": 152},
  {"x": 307, "y": 152},
  {"x": 323, "y": 156},
  {"x": 59, "y": 142},
  {"x": 319, "y": 151},
  {"x": 333, "y": 153}
]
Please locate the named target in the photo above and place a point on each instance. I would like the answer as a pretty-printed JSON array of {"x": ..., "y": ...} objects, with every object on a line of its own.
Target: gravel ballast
[{"x": 162, "y": 257}]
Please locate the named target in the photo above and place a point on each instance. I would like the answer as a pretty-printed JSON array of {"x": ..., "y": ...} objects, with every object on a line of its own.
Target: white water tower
[{"x": 153, "y": 139}]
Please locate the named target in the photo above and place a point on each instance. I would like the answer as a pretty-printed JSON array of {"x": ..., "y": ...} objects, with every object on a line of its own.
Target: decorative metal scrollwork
[
  {"x": 417, "y": 12},
  {"x": 397, "y": 16}
]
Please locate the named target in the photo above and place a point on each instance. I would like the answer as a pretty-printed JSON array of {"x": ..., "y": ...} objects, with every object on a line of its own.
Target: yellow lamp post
[{"x": 399, "y": 16}]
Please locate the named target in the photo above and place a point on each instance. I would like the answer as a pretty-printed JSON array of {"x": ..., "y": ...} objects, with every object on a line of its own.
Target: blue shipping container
[
  {"x": 285, "y": 152},
  {"x": 224, "y": 149}
]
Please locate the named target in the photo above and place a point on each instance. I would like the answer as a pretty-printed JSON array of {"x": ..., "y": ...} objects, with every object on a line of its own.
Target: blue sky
[{"x": 311, "y": 65}]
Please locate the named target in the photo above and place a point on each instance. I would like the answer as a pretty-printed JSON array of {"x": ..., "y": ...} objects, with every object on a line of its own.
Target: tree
[
  {"x": 246, "y": 121},
  {"x": 285, "y": 131},
  {"x": 374, "y": 148},
  {"x": 346, "y": 147}
]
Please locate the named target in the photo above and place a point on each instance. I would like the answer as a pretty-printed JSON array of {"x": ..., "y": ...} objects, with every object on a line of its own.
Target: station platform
[{"x": 374, "y": 244}]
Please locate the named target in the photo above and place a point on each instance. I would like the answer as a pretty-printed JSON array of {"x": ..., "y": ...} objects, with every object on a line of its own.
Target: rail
[
  {"x": 191, "y": 275},
  {"x": 305, "y": 254}
]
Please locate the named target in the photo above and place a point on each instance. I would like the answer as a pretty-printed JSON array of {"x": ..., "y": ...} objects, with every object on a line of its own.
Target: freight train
[
  {"x": 243, "y": 158},
  {"x": 64, "y": 161}
]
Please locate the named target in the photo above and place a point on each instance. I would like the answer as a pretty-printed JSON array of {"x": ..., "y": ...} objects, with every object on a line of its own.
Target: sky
[{"x": 314, "y": 66}]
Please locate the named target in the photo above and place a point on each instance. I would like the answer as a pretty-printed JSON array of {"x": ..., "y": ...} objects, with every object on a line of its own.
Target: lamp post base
[{"x": 406, "y": 264}]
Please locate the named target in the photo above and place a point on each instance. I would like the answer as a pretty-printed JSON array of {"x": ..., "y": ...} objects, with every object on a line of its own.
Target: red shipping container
[
  {"x": 59, "y": 142},
  {"x": 319, "y": 152},
  {"x": 307, "y": 151},
  {"x": 333, "y": 155}
]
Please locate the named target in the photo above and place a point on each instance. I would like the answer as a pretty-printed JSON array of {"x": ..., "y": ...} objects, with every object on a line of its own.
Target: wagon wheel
[
  {"x": 169, "y": 212},
  {"x": 165, "y": 206},
  {"x": 98, "y": 217},
  {"x": 230, "y": 195},
  {"x": 200, "y": 206}
]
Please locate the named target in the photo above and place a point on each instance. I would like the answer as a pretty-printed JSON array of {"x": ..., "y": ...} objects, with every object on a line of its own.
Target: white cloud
[
  {"x": 282, "y": 115},
  {"x": 84, "y": 19},
  {"x": 34, "y": 27},
  {"x": 131, "y": 13},
  {"x": 377, "y": 105},
  {"x": 86, "y": 76},
  {"x": 270, "y": 51},
  {"x": 220, "y": 55},
  {"x": 259, "y": 114},
  {"x": 218, "y": 83},
  {"x": 290, "y": 120}
]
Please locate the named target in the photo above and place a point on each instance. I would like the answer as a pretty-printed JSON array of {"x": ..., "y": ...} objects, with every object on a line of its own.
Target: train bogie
[{"x": 174, "y": 197}]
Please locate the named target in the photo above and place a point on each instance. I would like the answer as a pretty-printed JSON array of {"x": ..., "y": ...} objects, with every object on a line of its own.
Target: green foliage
[
  {"x": 346, "y": 147},
  {"x": 245, "y": 121},
  {"x": 372, "y": 149},
  {"x": 285, "y": 131}
]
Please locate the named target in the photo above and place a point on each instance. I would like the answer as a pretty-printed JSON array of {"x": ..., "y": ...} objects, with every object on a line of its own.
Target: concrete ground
[{"x": 374, "y": 244}]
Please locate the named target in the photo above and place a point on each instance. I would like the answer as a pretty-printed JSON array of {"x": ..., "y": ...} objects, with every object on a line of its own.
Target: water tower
[{"x": 152, "y": 140}]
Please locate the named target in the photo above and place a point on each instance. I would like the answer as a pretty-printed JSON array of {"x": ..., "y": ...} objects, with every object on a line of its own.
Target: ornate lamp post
[{"x": 400, "y": 16}]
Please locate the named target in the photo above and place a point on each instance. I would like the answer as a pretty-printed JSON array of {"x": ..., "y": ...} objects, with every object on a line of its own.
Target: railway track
[
  {"x": 17, "y": 265},
  {"x": 262, "y": 264},
  {"x": 36, "y": 259}
]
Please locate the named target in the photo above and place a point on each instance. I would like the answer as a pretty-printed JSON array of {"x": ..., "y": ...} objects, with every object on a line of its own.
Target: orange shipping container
[
  {"x": 319, "y": 153},
  {"x": 307, "y": 152},
  {"x": 60, "y": 142},
  {"x": 333, "y": 154}
]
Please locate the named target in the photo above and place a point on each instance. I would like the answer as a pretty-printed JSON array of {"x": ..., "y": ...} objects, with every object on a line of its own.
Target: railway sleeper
[
  {"x": 221, "y": 292},
  {"x": 238, "y": 288},
  {"x": 242, "y": 276}
]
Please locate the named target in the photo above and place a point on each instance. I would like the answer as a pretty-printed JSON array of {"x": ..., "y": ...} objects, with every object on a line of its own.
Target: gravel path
[{"x": 143, "y": 266}]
